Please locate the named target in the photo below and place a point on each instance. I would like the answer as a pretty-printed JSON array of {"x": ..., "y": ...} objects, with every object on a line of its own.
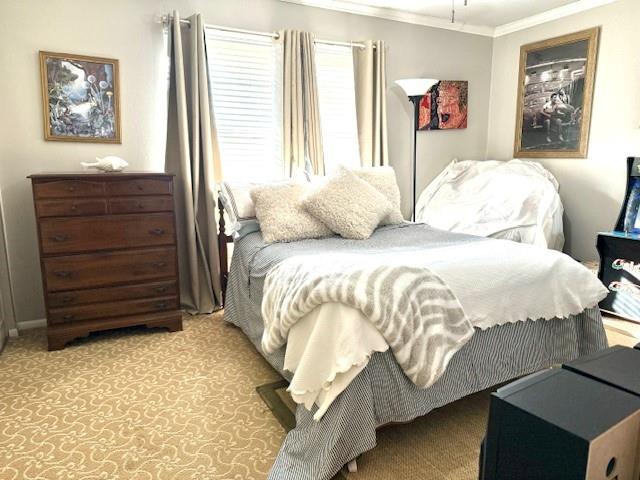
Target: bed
[{"x": 381, "y": 393}]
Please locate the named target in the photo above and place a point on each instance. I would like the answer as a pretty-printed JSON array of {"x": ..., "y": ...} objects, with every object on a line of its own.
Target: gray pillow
[
  {"x": 348, "y": 205},
  {"x": 384, "y": 180},
  {"x": 281, "y": 215}
]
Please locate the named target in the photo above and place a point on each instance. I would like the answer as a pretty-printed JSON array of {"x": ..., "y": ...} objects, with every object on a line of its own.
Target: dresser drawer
[
  {"x": 105, "y": 269},
  {"x": 69, "y": 208},
  {"x": 141, "y": 186},
  {"x": 110, "y": 294},
  {"x": 69, "y": 235},
  {"x": 57, "y": 316},
  {"x": 141, "y": 204},
  {"x": 68, "y": 188}
]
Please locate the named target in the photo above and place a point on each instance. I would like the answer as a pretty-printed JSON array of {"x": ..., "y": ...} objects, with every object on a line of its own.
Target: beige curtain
[
  {"x": 301, "y": 134},
  {"x": 371, "y": 102},
  {"x": 193, "y": 156}
]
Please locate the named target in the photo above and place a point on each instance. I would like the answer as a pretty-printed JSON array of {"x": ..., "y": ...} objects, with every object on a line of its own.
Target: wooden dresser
[{"x": 107, "y": 251}]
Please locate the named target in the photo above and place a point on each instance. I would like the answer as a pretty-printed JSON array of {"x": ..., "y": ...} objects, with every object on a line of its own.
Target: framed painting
[
  {"x": 555, "y": 93},
  {"x": 444, "y": 106},
  {"x": 80, "y": 98}
]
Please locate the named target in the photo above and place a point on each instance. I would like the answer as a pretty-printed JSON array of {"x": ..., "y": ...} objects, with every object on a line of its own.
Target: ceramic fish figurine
[{"x": 109, "y": 163}]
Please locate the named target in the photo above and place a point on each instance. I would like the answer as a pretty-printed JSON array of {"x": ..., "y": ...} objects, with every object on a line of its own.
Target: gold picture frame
[
  {"x": 555, "y": 96},
  {"x": 80, "y": 98}
]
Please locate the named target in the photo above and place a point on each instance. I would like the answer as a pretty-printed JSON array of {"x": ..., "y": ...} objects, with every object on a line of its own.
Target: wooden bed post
[{"x": 223, "y": 239}]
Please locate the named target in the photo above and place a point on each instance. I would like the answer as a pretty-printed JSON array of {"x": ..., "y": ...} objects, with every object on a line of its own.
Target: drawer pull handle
[
  {"x": 74, "y": 207},
  {"x": 71, "y": 189},
  {"x": 140, "y": 206},
  {"x": 157, "y": 231},
  {"x": 67, "y": 299},
  {"x": 160, "y": 264},
  {"x": 140, "y": 187},
  {"x": 62, "y": 274},
  {"x": 60, "y": 238},
  {"x": 68, "y": 316},
  {"x": 161, "y": 289},
  {"x": 161, "y": 305}
]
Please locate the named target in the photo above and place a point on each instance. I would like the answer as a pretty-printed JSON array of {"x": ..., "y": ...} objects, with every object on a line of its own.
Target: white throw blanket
[
  {"x": 495, "y": 281},
  {"x": 416, "y": 313},
  {"x": 327, "y": 349}
]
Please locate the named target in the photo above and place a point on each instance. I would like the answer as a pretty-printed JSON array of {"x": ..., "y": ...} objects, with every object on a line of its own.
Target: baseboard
[
  {"x": 30, "y": 324},
  {"x": 13, "y": 332}
]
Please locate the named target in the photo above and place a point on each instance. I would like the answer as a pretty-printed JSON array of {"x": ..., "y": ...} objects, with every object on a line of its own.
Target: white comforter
[
  {"x": 495, "y": 281},
  {"x": 515, "y": 200}
]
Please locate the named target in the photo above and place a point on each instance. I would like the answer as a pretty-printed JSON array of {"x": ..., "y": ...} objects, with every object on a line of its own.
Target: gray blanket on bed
[
  {"x": 412, "y": 308},
  {"x": 382, "y": 393}
]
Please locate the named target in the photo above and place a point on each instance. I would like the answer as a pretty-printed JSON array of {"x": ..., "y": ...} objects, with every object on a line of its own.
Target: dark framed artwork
[
  {"x": 555, "y": 94},
  {"x": 445, "y": 106},
  {"x": 80, "y": 98}
]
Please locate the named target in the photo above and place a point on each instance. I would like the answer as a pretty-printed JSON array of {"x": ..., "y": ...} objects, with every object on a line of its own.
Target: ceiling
[
  {"x": 483, "y": 17},
  {"x": 487, "y": 13}
]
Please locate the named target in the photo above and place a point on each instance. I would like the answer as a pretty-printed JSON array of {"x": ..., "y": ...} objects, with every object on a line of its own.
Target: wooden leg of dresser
[
  {"x": 175, "y": 325},
  {"x": 55, "y": 343},
  {"x": 172, "y": 322},
  {"x": 58, "y": 340}
]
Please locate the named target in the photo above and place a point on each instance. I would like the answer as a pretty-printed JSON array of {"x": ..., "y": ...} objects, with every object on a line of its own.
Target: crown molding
[
  {"x": 549, "y": 15},
  {"x": 435, "y": 22},
  {"x": 397, "y": 15}
]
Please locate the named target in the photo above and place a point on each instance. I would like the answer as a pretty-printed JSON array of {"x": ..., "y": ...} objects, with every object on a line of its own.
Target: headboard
[{"x": 223, "y": 239}]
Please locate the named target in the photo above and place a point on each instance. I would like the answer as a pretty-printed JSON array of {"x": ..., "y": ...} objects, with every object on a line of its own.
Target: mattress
[{"x": 381, "y": 393}]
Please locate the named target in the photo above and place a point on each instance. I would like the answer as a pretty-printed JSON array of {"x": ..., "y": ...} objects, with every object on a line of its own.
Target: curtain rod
[{"x": 166, "y": 19}]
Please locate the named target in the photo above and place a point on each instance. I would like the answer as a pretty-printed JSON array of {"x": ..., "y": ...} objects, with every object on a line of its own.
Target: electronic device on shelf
[{"x": 620, "y": 253}]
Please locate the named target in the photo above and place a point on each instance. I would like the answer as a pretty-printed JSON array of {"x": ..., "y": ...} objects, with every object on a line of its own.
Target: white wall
[
  {"x": 591, "y": 189},
  {"x": 126, "y": 30}
]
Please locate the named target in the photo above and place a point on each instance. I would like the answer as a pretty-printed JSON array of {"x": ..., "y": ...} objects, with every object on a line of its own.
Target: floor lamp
[{"x": 415, "y": 89}]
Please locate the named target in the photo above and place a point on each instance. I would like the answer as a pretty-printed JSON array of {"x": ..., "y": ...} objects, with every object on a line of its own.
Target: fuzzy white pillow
[
  {"x": 348, "y": 205},
  {"x": 384, "y": 180},
  {"x": 281, "y": 215}
]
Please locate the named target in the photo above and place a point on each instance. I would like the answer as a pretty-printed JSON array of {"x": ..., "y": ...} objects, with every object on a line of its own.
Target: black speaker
[
  {"x": 615, "y": 366},
  {"x": 558, "y": 424}
]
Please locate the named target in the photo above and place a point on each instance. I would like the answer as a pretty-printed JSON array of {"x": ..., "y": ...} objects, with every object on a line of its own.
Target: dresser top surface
[{"x": 98, "y": 174}]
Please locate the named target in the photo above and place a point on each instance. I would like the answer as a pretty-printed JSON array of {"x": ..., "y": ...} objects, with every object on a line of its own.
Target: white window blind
[
  {"x": 336, "y": 95},
  {"x": 245, "y": 98}
]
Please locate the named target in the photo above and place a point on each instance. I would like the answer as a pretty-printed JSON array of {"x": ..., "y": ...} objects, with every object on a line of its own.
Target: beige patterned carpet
[
  {"x": 147, "y": 405},
  {"x": 134, "y": 404}
]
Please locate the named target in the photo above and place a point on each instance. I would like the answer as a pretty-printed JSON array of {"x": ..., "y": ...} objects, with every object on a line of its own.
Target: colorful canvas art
[
  {"x": 80, "y": 96},
  {"x": 444, "y": 106}
]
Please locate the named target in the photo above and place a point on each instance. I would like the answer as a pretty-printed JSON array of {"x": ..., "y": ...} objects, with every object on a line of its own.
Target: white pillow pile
[
  {"x": 383, "y": 179},
  {"x": 281, "y": 215},
  {"x": 351, "y": 203},
  {"x": 348, "y": 205}
]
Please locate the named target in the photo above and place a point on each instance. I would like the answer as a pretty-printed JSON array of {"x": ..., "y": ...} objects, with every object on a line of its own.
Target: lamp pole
[
  {"x": 415, "y": 100},
  {"x": 415, "y": 89}
]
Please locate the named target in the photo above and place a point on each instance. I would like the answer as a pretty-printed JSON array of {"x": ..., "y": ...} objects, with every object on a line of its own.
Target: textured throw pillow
[
  {"x": 348, "y": 205},
  {"x": 383, "y": 179},
  {"x": 281, "y": 215}
]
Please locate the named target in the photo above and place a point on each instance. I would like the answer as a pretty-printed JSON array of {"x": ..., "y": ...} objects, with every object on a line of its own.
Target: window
[
  {"x": 245, "y": 98},
  {"x": 336, "y": 95},
  {"x": 246, "y": 94}
]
